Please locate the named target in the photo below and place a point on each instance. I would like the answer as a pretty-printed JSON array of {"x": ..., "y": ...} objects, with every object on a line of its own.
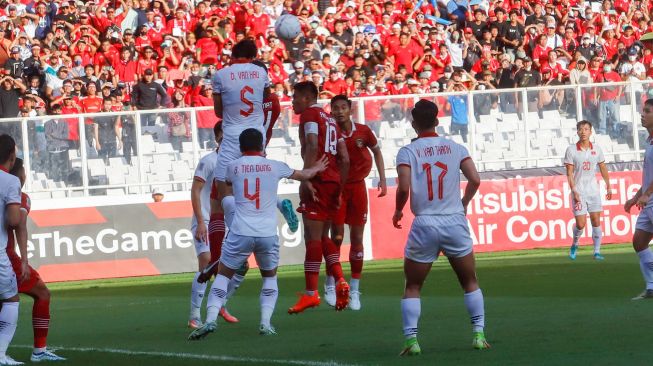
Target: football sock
[
  {"x": 410, "y": 311},
  {"x": 216, "y": 235},
  {"x": 40, "y": 322},
  {"x": 312, "y": 263},
  {"x": 330, "y": 281},
  {"x": 196, "y": 296},
  {"x": 577, "y": 233},
  {"x": 476, "y": 309},
  {"x": 597, "y": 234},
  {"x": 356, "y": 259},
  {"x": 332, "y": 257},
  {"x": 8, "y": 322},
  {"x": 646, "y": 265},
  {"x": 354, "y": 283},
  {"x": 229, "y": 208},
  {"x": 269, "y": 295},
  {"x": 234, "y": 284},
  {"x": 217, "y": 298}
]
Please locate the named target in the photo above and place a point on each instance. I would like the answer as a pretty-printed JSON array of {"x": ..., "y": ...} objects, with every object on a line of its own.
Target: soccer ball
[{"x": 287, "y": 27}]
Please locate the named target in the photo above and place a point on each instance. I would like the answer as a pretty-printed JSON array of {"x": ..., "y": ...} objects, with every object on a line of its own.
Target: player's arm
[
  {"x": 307, "y": 174},
  {"x": 21, "y": 239},
  {"x": 196, "y": 202},
  {"x": 380, "y": 167},
  {"x": 403, "y": 192},
  {"x": 571, "y": 181},
  {"x": 343, "y": 161},
  {"x": 606, "y": 178},
  {"x": 473, "y": 180},
  {"x": 217, "y": 104}
]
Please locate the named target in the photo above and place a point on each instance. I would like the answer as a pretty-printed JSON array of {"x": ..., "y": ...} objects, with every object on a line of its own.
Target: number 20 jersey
[
  {"x": 316, "y": 121},
  {"x": 434, "y": 175}
]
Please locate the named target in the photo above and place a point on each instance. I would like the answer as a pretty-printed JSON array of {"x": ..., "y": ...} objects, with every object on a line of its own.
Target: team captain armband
[{"x": 310, "y": 128}]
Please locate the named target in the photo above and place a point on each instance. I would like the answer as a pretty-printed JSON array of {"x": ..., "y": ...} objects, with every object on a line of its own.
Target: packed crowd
[{"x": 67, "y": 57}]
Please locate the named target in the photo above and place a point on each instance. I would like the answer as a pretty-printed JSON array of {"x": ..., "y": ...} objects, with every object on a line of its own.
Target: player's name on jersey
[
  {"x": 434, "y": 150},
  {"x": 245, "y": 75},
  {"x": 254, "y": 168}
]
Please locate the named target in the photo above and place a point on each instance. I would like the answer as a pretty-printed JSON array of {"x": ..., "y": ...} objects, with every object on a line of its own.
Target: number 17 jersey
[
  {"x": 434, "y": 174},
  {"x": 314, "y": 120}
]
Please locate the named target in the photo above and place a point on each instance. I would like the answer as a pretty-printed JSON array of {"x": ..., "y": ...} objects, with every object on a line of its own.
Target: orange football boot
[
  {"x": 305, "y": 302},
  {"x": 342, "y": 294}
]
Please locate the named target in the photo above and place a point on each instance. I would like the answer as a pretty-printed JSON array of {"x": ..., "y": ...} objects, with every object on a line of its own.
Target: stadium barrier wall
[{"x": 108, "y": 238}]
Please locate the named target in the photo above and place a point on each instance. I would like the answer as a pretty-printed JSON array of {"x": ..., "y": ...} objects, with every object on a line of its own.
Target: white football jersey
[
  {"x": 647, "y": 174},
  {"x": 434, "y": 163},
  {"x": 585, "y": 163},
  {"x": 9, "y": 195},
  {"x": 204, "y": 171},
  {"x": 255, "y": 180},
  {"x": 241, "y": 86}
]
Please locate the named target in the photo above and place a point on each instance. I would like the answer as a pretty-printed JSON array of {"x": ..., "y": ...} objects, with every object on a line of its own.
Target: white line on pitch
[{"x": 193, "y": 356}]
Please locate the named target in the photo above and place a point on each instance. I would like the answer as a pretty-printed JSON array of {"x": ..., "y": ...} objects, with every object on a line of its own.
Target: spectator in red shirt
[
  {"x": 335, "y": 84},
  {"x": 257, "y": 22},
  {"x": 126, "y": 68},
  {"x": 404, "y": 54},
  {"x": 608, "y": 99}
]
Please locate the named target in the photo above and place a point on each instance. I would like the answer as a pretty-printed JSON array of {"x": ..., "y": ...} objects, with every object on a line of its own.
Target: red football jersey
[
  {"x": 25, "y": 204},
  {"x": 271, "y": 111},
  {"x": 314, "y": 119},
  {"x": 359, "y": 141}
]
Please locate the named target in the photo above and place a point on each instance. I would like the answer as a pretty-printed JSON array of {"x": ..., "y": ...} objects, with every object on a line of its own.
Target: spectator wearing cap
[
  {"x": 458, "y": 104},
  {"x": 14, "y": 66},
  {"x": 56, "y": 138},
  {"x": 32, "y": 64},
  {"x": 147, "y": 94},
  {"x": 179, "y": 25},
  {"x": 298, "y": 75}
]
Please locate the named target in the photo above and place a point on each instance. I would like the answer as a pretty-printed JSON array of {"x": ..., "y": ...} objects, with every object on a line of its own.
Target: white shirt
[
  {"x": 9, "y": 195},
  {"x": 637, "y": 68},
  {"x": 204, "y": 172},
  {"x": 434, "y": 163},
  {"x": 255, "y": 180},
  {"x": 584, "y": 163},
  {"x": 647, "y": 174}
]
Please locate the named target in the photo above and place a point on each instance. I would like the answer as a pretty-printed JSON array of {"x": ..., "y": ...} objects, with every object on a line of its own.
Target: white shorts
[
  {"x": 226, "y": 155},
  {"x": 645, "y": 220},
  {"x": 200, "y": 247},
  {"x": 8, "y": 282},
  {"x": 431, "y": 234},
  {"x": 237, "y": 248},
  {"x": 588, "y": 203}
]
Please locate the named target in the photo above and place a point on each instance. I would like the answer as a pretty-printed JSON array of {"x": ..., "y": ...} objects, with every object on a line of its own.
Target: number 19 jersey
[
  {"x": 314, "y": 120},
  {"x": 434, "y": 174}
]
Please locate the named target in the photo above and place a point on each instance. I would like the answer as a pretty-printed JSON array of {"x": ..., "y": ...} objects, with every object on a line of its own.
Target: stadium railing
[{"x": 507, "y": 129}]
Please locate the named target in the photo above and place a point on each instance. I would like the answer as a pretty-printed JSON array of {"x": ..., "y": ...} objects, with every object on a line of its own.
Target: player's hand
[
  {"x": 382, "y": 187},
  {"x": 628, "y": 205},
  {"x": 321, "y": 164},
  {"x": 576, "y": 196},
  {"x": 24, "y": 271},
  {"x": 201, "y": 233},
  {"x": 608, "y": 194},
  {"x": 396, "y": 218},
  {"x": 642, "y": 201}
]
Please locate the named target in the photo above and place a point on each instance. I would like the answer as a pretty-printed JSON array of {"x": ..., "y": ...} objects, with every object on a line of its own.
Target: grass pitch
[{"x": 541, "y": 309}]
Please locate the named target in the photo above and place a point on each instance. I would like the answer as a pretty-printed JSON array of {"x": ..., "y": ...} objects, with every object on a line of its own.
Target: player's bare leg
[
  {"x": 411, "y": 308},
  {"x": 331, "y": 254},
  {"x": 198, "y": 289},
  {"x": 41, "y": 323},
  {"x": 641, "y": 240},
  {"x": 465, "y": 269},
  {"x": 579, "y": 228},
  {"x": 312, "y": 262},
  {"x": 597, "y": 234}
]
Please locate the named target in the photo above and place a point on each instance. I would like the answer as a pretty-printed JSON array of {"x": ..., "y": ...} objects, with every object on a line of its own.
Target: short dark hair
[
  {"x": 18, "y": 165},
  {"x": 584, "y": 122},
  {"x": 306, "y": 87},
  {"x": 217, "y": 129},
  {"x": 341, "y": 97},
  {"x": 246, "y": 48},
  {"x": 7, "y": 147},
  {"x": 425, "y": 114},
  {"x": 251, "y": 140},
  {"x": 649, "y": 102}
]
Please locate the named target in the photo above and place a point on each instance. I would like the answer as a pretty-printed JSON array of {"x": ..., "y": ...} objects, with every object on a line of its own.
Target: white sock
[
  {"x": 353, "y": 284},
  {"x": 577, "y": 233},
  {"x": 234, "y": 284},
  {"x": 279, "y": 203},
  {"x": 268, "y": 298},
  {"x": 196, "y": 296},
  {"x": 646, "y": 265},
  {"x": 410, "y": 311},
  {"x": 217, "y": 298},
  {"x": 476, "y": 309},
  {"x": 597, "y": 234},
  {"x": 229, "y": 208},
  {"x": 330, "y": 281},
  {"x": 36, "y": 351},
  {"x": 8, "y": 322}
]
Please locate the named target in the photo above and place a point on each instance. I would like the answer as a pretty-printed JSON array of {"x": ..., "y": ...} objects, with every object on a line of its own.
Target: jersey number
[
  {"x": 586, "y": 165},
  {"x": 257, "y": 193},
  {"x": 331, "y": 143},
  {"x": 247, "y": 102},
  {"x": 429, "y": 179}
]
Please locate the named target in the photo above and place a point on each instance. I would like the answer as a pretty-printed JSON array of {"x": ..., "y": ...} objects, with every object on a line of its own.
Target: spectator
[
  {"x": 458, "y": 104},
  {"x": 106, "y": 130},
  {"x": 206, "y": 119},
  {"x": 178, "y": 122},
  {"x": 56, "y": 136},
  {"x": 10, "y": 93},
  {"x": 144, "y": 97},
  {"x": 608, "y": 100}
]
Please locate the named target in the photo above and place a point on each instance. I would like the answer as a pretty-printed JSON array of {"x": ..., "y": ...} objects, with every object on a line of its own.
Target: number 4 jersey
[
  {"x": 434, "y": 174},
  {"x": 314, "y": 120}
]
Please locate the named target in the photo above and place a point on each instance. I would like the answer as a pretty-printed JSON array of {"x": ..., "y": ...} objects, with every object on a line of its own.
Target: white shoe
[
  {"x": 46, "y": 355},
  {"x": 355, "y": 300},
  {"x": 6, "y": 360},
  {"x": 330, "y": 295}
]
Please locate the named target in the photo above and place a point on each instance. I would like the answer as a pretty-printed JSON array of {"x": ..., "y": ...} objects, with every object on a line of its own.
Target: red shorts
[
  {"x": 34, "y": 277},
  {"x": 326, "y": 208},
  {"x": 353, "y": 205}
]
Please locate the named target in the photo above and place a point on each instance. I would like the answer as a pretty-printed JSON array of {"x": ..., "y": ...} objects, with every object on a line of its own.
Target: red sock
[
  {"x": 216, "y": 235},
  {"x": 41, "y": 322},
  {"x": 332, "y": 257},
  {"x": 312, "y": 263},
  {"x": 356, "y": 259}
]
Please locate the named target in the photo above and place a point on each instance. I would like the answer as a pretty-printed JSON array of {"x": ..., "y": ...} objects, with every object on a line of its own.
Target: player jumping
[
  {"x": 319, "y": 136},
  {"x": 254, "y": 180},
  {"x": 353, "y": 207},
  {"x": 643, "y": 200},
  {"x": 428, "y": 170},
  {"x": 581, "y": 160}
]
